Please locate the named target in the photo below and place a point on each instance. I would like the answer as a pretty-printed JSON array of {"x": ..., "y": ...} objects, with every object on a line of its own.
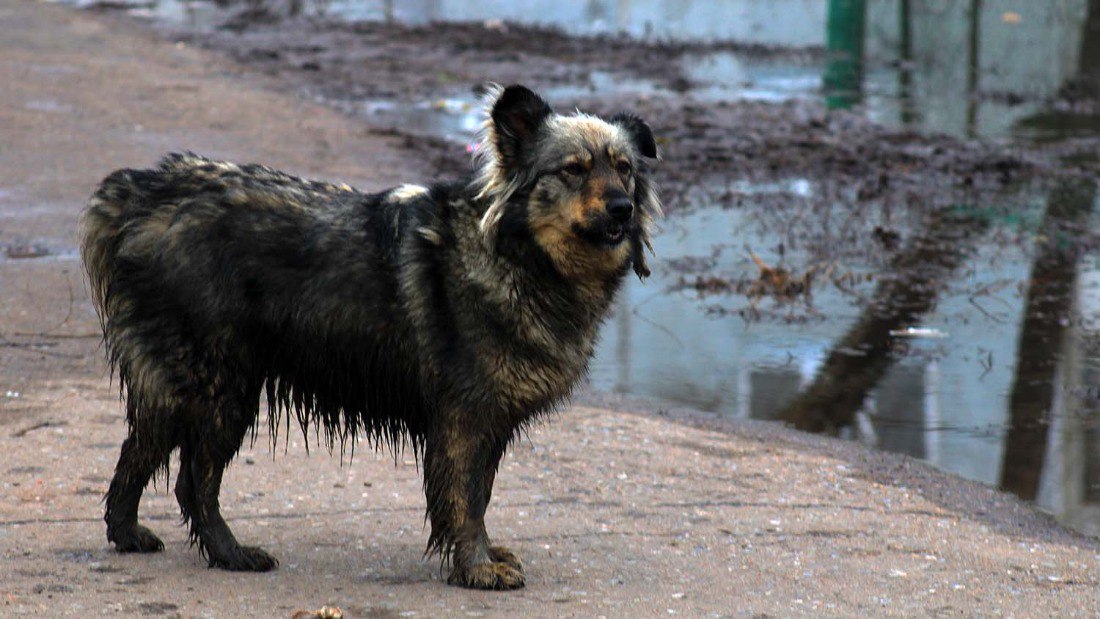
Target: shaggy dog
[{"x": 450, "y": 316}]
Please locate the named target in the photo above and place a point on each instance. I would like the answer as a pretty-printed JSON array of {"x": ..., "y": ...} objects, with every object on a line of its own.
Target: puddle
[
  {"x": 454, "y": 119},
  {"x": 458, "y": 117},
  {"x": 922, "y": 358},
  {"x": 727, "y": 76},
  {"x": 197, "y": 14}
]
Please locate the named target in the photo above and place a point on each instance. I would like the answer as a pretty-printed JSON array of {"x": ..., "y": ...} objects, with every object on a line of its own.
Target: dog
[{"x": 449, "y": 316}]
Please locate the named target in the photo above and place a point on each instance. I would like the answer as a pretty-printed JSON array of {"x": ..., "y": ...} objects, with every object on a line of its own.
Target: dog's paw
[
  {"x": 501, "y": 554},
  {"x": 246, "y": 559},
  {"x": 137, "y": 539},
  {"x": 493, "y": 575}
]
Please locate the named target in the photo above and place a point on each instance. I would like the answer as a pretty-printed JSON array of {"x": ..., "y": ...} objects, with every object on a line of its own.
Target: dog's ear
[
  {"x": 517, "y": 115},
  {"x": 639, "y": 132}
]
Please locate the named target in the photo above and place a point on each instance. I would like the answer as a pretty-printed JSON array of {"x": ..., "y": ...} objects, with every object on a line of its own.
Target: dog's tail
[
  {"x": 125, "y": 215},
  {"x": 100, "y": 231}
]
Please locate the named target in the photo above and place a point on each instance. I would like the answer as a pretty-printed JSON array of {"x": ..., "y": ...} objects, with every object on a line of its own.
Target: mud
[
  {"x": 339, "y": 62},
  {"x": 708, "y": 145}
]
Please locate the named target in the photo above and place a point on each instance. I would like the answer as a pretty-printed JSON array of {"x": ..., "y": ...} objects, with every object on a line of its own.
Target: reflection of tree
[
  {"x": 1088, "y": 73},
  {"x": 1083, "y": 86},
  {"x": 973, "y": 67},
  {"x": 1049, "y": 301},
  {"x": 863, "y": 355},
  {"x": 905, "y": 69}
]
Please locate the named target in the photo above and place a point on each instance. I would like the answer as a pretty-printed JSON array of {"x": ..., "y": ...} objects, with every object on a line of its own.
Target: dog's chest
[
  {"x": 529, "y": 379},
  {"x": 539, "y": 362}
]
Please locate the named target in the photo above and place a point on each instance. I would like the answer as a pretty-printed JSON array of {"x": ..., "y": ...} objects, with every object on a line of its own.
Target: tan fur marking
[
  {"x": 575, "y": 257},
  {"x": 430, "y": 235},
  {"x": 583, "y": 209},
  {"x": 584, "y": 159},
  {"x": 404, "y": 193}
]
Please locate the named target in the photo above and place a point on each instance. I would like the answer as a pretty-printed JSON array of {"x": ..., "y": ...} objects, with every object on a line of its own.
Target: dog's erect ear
[
  {"x": 514, "y": 117},
  {"x": 517, "y": 115},
  {"x": 639, "y": 132}
]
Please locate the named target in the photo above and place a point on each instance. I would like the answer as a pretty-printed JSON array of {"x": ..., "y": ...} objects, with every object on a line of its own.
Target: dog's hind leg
[
  {"x": 459, "y": 468},
  {"x": 142, "y": 453},
  {"x": 210, "y": 443}
]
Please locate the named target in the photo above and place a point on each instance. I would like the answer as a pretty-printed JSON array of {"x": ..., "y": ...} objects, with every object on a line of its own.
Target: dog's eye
[
  {"x": 574, "y": 169},
  {"x": 623, "y": 167}
]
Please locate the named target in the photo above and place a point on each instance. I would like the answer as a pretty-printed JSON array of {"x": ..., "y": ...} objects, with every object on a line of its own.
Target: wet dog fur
[{"x": 448, "y": 316}]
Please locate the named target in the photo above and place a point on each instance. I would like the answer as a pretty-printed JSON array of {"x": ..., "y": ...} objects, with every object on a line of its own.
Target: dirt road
[{"x": 616, "y": 511}]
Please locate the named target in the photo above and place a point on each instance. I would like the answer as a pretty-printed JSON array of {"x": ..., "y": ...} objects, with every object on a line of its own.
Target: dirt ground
[{"x": 618, "y": 508}]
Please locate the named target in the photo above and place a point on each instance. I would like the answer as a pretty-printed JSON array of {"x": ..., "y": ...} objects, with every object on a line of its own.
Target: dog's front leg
[{"x": 459, "y": 468}]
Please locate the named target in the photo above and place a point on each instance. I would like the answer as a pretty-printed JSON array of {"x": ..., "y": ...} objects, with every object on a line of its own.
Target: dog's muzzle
[{"x": 620, "y": 208}]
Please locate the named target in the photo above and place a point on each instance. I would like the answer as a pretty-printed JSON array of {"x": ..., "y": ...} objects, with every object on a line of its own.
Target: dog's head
[{"x": 577, "y": 183}]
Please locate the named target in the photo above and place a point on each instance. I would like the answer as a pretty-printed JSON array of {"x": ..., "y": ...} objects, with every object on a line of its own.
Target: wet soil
[
  {"x": 339, "y": 62},
  {"x": 377, "y": 60},
  {"x": 707, "y": 145}
]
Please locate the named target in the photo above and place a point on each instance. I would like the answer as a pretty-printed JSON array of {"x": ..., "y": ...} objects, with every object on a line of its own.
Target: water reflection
[
  {"x": 1047, "y": 314},
  {"x": 862, "y": 356},
  {"x": 972, "y": 402},
  {"x": 974, "y": 68}
]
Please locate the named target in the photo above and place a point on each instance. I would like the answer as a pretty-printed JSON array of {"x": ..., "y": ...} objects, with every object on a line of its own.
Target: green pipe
[{"x": 844, "y": 41}]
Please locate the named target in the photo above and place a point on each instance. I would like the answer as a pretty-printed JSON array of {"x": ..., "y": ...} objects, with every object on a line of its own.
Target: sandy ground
[{"x": 617, "y": 510}]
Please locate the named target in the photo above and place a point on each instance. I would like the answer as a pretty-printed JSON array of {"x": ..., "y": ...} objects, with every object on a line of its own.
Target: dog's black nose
[{"x": 620, "y": 208}]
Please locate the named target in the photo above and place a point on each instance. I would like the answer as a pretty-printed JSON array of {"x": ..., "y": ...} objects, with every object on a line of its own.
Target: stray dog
[{"x": 450, "y": 316}]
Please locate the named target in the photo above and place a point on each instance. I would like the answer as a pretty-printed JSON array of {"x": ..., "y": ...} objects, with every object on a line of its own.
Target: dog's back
[
  {"x": 131, "y": 211},
  {"x": 288, "y": 282}
]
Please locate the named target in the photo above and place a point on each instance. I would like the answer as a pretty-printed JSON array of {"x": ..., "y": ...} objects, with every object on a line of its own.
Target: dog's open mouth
[
  {"x": 605, "y": 235},
  {"x": 614, "y": 235}
]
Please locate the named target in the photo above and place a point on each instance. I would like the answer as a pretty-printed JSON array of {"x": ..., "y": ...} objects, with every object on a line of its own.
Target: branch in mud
[{"x": 862, "y": 356}]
